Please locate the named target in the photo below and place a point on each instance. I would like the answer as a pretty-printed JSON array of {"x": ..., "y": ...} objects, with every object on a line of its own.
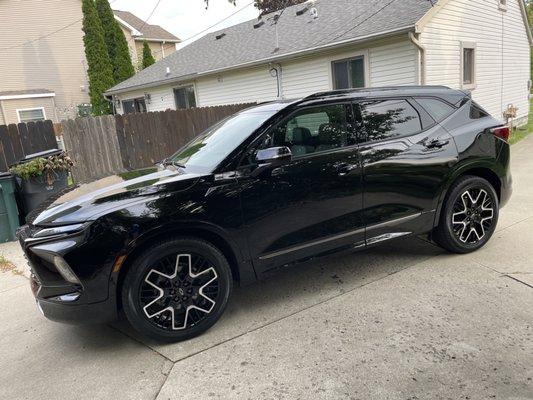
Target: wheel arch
[
  {"x": 485, "y": 171},
  {"x": 239, "y": 270}
]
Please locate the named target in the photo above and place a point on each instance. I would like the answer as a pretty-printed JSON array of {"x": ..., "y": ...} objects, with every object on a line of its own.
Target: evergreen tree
[
  {"x": 99, "y": 69},
  {"x": 115, "y": 41},
  {"x": 148, "y": 58}
]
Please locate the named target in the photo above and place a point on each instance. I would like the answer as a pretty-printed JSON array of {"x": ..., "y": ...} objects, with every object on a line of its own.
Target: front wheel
[
  {"x": 469, "y": 216},
  {"x": 177, "y": 289}
]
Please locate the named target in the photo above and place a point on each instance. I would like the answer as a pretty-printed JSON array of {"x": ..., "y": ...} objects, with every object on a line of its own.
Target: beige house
[
  {"x": 42, "y": 67},
  {"x": 42, "y": 64},
  {"x": 161, "y": 42}
]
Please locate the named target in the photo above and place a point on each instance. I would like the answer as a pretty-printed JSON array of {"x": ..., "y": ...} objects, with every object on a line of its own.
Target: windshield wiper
[{"x": 166, "y": 163}]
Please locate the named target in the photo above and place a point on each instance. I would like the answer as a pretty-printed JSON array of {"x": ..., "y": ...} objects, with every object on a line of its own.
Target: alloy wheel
[
  {"x": 473, "y": 215},
  {"x": 179, "y": 291}
]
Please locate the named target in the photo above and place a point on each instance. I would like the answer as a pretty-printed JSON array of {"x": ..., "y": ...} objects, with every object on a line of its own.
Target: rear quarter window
[
  {"x": 476, "y": 112},
  {"x": 438, "y": 109}
]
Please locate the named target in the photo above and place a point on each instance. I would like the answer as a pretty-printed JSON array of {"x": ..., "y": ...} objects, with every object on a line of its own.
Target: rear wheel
[
  {"x": 177, "y": 289},
  {"x": 469, "y": 216}
]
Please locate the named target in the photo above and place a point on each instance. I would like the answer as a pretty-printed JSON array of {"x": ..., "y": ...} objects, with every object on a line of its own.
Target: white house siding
[
  {"x": 389, "y": 61},
  {"x": 499, "y": 80}
]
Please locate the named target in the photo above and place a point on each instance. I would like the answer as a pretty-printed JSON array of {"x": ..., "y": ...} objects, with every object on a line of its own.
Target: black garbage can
[
  {"x": 36, "y": 190},
  {"x": 9, "y": 217}
]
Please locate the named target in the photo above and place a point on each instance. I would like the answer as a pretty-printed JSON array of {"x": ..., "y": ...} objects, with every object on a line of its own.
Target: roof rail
[{"x": 376, "y": 89}]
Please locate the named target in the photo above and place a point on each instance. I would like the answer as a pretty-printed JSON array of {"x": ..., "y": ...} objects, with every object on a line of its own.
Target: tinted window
[
  {"x": 476, "y": 112},
  {"x": 385, "y": 119},
  {"x": 312, "y": 130},
  {"x": 438, "y": 109}
]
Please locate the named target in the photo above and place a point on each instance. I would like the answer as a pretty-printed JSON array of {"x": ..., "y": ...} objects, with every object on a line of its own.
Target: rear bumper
[{"x": 72, "y": 313}]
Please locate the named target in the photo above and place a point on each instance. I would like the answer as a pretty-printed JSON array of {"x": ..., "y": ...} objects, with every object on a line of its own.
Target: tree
[
  {"x": 148, "y": 58},
  {"x": 99, "y": 69},
  {"x": 117, "y": 47},
  {"x": 268, "y": 6}
]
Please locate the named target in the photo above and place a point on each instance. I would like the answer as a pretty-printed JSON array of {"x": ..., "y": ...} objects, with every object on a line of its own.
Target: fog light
[{"x": 65, "y": 271}]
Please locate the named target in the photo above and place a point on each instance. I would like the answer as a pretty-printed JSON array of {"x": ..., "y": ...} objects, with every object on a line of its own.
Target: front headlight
[
  {"x": 60, "y": 230},
  {"x": 64, "y": 269}
]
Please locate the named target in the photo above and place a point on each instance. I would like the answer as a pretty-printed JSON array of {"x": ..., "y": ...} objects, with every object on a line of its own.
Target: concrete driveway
[{"x": 401, "y": 321}]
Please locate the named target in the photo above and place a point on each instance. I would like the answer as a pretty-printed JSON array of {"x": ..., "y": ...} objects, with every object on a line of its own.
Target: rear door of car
[{"x": 406, "y": 155}]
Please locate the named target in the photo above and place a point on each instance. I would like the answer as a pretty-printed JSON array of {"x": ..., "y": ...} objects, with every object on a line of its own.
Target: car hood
[{"x": 85, "y": 202}]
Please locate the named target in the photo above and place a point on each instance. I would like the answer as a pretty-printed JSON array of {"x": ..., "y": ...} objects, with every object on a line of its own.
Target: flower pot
[{"x": 36, "y": 190}]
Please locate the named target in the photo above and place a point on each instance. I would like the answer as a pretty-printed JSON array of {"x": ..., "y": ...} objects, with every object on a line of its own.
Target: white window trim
[
  {"x": 349, "y": 56},
  {"x": 182, "y": 85},
  {"x": 30, "y": 109},
  {"x": 473, "y": 85}
]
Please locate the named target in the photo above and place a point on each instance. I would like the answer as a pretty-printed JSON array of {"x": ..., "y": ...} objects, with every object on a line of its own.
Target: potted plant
[{"x": 41, "y": 177}]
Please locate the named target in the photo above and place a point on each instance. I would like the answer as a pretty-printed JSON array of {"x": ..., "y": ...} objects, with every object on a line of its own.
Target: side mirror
[{"x": 271, "y": 158}]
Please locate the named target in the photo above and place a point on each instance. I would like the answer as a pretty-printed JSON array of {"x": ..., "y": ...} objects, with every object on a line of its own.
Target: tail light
[{"x": 503, "y": 132}]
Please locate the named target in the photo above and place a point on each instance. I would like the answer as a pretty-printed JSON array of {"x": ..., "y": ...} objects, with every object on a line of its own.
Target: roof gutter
[
  {"x": 266, "y": 60},
  {"x": 422, "y": 57}
]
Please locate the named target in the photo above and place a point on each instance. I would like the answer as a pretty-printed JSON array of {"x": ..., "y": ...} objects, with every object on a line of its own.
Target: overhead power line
[
  {"x": 150, "y": 16},
  {"x": 46, "y": 35}
]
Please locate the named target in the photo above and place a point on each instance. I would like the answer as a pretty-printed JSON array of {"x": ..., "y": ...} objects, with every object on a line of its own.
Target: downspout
[
  {"x": 276, "y": 71},
  {"x": 422, "y": 54}
]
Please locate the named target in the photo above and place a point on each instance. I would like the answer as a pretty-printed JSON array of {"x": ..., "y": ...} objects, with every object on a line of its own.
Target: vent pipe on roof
[{"x": 167, "y": 73}]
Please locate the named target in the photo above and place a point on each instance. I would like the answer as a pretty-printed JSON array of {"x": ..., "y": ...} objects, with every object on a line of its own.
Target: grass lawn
[{"x": 519, "y": 134}]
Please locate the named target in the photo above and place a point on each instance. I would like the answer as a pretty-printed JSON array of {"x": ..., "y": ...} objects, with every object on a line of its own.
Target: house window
[
  {"x": 185, "y": 97},
  {"x": 468, "y": 64},
  {"x": 349, "y": 73},
  {"x": 134, "y": 106},
  {"x": 31, "y": 114}
]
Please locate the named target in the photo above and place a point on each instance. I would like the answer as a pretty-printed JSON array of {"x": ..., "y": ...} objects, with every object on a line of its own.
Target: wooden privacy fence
[
  {"x": 19, "y": 140},
  {"x": 102, "y": 146},
  {"x": 92, "y": 144}
]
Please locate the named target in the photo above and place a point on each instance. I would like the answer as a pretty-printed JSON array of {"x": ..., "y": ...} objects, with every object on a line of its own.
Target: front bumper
[
  {"x": 73, "y": 313},
  {"x": 86, "y": 302}
]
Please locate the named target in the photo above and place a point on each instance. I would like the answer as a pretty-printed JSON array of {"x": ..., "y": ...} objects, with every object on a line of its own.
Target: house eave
[
  {"x": 254, "y": 63},
  {"x": 142, "y": 39},
  {"x": 27, "y": 96}
]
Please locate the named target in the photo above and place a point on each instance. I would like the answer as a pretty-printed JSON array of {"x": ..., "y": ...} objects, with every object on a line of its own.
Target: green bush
[{"x": 47, "y": 166}]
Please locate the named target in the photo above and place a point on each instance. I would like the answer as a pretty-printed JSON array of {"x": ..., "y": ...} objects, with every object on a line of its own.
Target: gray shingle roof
[
  {"x": 148, "y": 31},
  {"x": 338, "y": 21}
]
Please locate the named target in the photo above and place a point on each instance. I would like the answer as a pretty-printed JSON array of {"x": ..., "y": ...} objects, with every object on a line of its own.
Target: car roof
[{"x": 452, "y": 96}]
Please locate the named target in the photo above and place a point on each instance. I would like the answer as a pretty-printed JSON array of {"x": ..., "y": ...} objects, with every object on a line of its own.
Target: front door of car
[
  {"x": 406, "y": 155},
  {"x": 314, "y": 203}
]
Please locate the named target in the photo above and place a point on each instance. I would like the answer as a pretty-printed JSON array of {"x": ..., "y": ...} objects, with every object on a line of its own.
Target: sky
[{"x": 186, "y": 18}]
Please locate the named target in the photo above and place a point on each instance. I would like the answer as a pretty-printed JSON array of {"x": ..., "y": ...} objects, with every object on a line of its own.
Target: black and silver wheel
[
  {"x": 177, "y": 289},
  {"x": 469, "y": 216}
]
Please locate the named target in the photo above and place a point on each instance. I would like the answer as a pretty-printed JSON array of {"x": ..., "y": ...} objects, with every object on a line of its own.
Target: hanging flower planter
[{"x": 41, "y": 177}]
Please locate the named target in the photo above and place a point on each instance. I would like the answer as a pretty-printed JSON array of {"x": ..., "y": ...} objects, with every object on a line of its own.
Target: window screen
[
  {"x": 385, "y": 119},
  {"x": 35, "y": 114},
  {"x": 185, "y": 97},
  {"x": 349, "y": 74},
  {"x": 468, "y": 66},
  {"x": 438, "y": 109}
]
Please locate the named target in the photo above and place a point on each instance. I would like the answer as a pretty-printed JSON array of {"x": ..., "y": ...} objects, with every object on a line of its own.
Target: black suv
[{"x": 270, "y": 186}]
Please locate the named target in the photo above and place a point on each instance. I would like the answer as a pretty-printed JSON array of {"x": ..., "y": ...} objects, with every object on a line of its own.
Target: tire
[
  {"x": 177, "y": 289},
  {"x": 461, "y": 214}
]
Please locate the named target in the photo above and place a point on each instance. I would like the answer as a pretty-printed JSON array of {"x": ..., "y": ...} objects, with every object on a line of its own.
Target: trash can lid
[{"x": 46, "y": 153}]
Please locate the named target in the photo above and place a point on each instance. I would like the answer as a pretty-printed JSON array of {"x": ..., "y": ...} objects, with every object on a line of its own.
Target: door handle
[
  {"x": 436, "y": 143},
  {"x": 344, "y": 169}
]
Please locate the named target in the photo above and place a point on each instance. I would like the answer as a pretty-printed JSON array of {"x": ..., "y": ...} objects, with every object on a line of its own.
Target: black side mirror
[{"x": 271, "y": 158}]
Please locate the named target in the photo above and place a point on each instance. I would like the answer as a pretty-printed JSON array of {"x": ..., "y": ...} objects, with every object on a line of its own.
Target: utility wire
[
  {"x": 150, "y": 16},
  {"x": 47, "y": 34}
]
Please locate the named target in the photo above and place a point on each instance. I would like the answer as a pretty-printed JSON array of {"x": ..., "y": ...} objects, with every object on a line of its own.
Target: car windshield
[{"x": 209, "y": 149}]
